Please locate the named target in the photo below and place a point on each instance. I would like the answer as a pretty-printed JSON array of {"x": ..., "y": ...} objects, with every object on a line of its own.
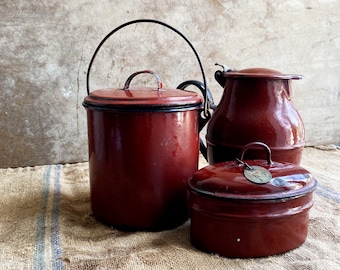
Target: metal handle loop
[
  {"x": 206, "y": 112},
  {"x": 128, "y": 81},
  {"x": 263, "y": 145}
]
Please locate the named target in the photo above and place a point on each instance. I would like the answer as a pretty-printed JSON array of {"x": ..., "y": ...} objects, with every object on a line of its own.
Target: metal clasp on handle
[
  {"x": 225, "y": 67},
  {"x": 128, "y": 81},
  {"x": 219, "y": 74}
]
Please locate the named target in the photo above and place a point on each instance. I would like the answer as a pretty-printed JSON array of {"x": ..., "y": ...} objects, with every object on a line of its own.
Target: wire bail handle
[{"x": 206, "y": 112}]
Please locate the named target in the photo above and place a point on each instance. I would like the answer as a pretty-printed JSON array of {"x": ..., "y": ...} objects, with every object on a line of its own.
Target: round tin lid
[
  {"x": 146, "y": 98},
  {"x": 261, "y": 73},
  {"x": 252, "y": 180}
]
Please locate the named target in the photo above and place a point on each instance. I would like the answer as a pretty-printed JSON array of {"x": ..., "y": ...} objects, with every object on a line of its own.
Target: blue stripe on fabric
[
  {"x": 39, "y": 260},
  {"x": 56, "y": 251},
  {"x": 328, "y": 193}
]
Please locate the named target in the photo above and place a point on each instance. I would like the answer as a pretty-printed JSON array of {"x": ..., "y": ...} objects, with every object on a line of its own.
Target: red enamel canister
[
  {"x": 250, "y": 208},
  {"x": 143, "y": 148}
]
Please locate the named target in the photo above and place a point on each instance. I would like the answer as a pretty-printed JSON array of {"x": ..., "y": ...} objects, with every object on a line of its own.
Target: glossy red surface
[
  {"x": 262, "y": 73},
  {"x": 146, "y": 97},
  {"x": 143, "y": 148},
  {"x": 255, "y": 107},
  {"x": 140, "y": 163},
  {"x": 226, "y": 180},
  {"x": 247, "y": 229},
  {"x": 234, "y": 217}
]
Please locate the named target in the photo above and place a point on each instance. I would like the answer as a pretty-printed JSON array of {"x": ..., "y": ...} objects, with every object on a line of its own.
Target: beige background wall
[{"x": 46, "y": 46}]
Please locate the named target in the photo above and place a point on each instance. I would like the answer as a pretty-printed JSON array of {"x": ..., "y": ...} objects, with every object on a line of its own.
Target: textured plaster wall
[{"x": 46, "y": 46}]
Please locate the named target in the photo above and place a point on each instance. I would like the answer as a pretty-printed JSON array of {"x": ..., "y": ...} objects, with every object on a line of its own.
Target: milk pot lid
[
  {"x": 262, "y": 180},
  {"x": 261, "y": 73},
  {"x": 143, "y": 98}
]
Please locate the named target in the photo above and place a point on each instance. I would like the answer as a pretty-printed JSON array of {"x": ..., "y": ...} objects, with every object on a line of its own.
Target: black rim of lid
[{"x": 144, "y": 107}]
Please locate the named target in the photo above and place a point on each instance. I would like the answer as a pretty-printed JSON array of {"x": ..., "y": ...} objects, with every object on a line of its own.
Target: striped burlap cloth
[{"x": 46, "y": 223}]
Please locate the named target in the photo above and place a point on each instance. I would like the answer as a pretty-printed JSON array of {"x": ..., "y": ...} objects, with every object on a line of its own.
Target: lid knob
[{"x": 128, "y": 81}]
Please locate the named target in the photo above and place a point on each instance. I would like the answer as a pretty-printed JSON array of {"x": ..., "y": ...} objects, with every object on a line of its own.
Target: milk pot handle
[
  {"x": 205, "y": 115},
  {"x": 203, "y": 120}
]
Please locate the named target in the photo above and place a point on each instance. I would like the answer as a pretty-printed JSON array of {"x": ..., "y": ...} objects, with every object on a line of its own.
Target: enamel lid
[
  {"x": 252, "y": 180},
  {"x": 261, "y": 73},
  {"x": 143, "y": 98}
]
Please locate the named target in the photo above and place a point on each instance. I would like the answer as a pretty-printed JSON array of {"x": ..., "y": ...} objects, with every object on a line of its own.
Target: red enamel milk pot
[{"x": 255, "y": 106}]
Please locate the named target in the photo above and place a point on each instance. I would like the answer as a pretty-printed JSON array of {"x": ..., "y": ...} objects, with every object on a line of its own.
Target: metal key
[{"x": 244, "y": 164}]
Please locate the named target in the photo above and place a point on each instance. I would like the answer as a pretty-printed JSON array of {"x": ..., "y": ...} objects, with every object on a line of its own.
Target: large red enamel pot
[
  {"x": 250, "y": 208},
  {"x": 143, "y": 148}
]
